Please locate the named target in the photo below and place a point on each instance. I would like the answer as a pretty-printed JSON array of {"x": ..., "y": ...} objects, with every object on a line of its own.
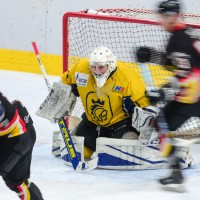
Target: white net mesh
[{"x": 122, "y": 31}]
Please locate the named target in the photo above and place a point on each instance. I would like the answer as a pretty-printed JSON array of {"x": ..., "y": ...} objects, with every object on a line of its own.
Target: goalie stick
[
  {"x": 41, "y": 65},
  {"x": 78, "y": 165}
]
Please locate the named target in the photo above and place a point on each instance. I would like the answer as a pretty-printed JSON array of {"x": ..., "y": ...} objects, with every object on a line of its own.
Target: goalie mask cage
[{"x": 122, "y": 31}]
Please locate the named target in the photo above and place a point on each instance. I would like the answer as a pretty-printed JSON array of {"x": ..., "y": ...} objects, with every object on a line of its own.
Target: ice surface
[{"x": 57, "y": 181}]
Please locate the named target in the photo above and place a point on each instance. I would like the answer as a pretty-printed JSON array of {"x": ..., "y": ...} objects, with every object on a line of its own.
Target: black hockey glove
[
  {"x": 155, "y": 96},
  {"x": 164, "y": 94},
  {"x": 143, "y": 54},
  {"x": 149, "y": 55}
]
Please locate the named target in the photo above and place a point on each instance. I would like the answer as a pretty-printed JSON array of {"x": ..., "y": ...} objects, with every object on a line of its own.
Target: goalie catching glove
[
  {"x": 60, "y": 102},
  {"x": 142, "y": 122}
]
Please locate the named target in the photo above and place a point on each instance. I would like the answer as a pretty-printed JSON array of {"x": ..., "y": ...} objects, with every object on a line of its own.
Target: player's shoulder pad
[{"x": 83, "y": 66}]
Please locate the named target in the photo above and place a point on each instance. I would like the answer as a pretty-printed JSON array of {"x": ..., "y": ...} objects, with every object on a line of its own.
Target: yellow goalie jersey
[{"x": 104, "y": 106}]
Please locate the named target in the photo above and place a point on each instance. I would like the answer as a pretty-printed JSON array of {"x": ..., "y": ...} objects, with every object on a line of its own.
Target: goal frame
[{"x": 133, "y": 16}]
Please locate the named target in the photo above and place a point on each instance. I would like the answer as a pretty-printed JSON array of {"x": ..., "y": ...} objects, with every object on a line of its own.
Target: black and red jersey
[
  {"x": 15, "y": 120},
  {"x": 183, "y": 43},
  {"x": 183, "y": 52}
]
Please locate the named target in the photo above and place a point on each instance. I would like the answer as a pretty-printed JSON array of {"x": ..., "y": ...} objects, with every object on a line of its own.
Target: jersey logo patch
[
  {"x": 99, "y": 110},
  {"x": 119, "y": 89},
  {"x": 98, "y": 113},
  {"x": 81, "y": 79}
]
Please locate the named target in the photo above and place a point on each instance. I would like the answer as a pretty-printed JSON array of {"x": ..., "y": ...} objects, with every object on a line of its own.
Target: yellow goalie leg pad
[{"x": 87, "y": 152}]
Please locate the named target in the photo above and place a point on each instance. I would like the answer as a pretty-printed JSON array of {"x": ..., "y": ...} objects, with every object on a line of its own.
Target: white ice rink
[{"x": 59, "y": 182}]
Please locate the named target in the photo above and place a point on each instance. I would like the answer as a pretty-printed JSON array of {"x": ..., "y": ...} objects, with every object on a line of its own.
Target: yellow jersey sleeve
[
  {"x": 69, "y": 77},
  {"x": 138, "y": 91}
]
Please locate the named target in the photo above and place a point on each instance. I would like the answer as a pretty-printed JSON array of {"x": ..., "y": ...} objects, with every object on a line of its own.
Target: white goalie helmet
[{"x": 102, "y": 56}]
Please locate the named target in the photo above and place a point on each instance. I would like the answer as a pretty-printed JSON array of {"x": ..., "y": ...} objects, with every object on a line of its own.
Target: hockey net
[{"x": 122, "y": 31}]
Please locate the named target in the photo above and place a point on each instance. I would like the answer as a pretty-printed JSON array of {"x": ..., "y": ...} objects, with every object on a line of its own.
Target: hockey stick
[
  {"x": 149, "y": 82},
  {"x": 41, "y": 65},
  {"x": 147, "y": 77},
  {"x": 194, "y": 133},
  {"x": 78, "y": 165}
]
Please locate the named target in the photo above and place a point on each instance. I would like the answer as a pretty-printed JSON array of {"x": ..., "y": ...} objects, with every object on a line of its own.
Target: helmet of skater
[
  {"x": 169, "y": 14},
  {"x": 169, "y": 7}
]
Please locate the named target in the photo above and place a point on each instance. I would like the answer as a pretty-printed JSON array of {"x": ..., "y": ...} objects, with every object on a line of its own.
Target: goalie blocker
[{"x": 60, "y": 102}]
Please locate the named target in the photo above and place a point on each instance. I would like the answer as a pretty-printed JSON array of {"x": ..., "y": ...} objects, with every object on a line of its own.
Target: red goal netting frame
[{"x": 136, "y": 16}]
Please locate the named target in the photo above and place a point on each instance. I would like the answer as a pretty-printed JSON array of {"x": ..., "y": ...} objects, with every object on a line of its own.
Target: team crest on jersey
[
  {"x": 81, "y": 79},
  {"x": 117, "y": 88},
  {"x": 100, "y": 110}
]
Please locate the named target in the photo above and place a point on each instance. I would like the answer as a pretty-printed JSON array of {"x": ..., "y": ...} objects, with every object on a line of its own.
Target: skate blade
[{"x": 179, "y": 188}]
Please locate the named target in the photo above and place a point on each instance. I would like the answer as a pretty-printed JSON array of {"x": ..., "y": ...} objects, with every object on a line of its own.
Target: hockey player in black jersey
[
  {"x": 17, "y": 138},
  {"x": 182, "y": 93}
]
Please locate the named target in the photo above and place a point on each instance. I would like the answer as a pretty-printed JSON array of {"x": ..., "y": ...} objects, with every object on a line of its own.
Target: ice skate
[{"x": 174, "y": 182}]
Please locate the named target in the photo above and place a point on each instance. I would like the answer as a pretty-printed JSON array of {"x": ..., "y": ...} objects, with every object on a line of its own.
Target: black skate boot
[{"x": 174, "y": 182}]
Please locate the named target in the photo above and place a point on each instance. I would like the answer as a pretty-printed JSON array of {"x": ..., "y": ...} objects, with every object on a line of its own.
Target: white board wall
[{"x": 22, "y": 21}]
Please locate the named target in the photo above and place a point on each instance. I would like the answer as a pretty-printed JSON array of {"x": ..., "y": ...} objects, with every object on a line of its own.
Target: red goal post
[{"x": 123, "y": 31}]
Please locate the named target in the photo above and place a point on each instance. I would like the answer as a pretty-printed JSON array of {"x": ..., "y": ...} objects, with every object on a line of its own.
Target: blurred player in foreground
[
  {"x": 182, "y": 93},
  {"x": 17, "y": 138}
]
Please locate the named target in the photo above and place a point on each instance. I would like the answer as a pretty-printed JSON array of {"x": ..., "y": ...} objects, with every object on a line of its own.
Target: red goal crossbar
[{"x": 114, "y": 15}]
